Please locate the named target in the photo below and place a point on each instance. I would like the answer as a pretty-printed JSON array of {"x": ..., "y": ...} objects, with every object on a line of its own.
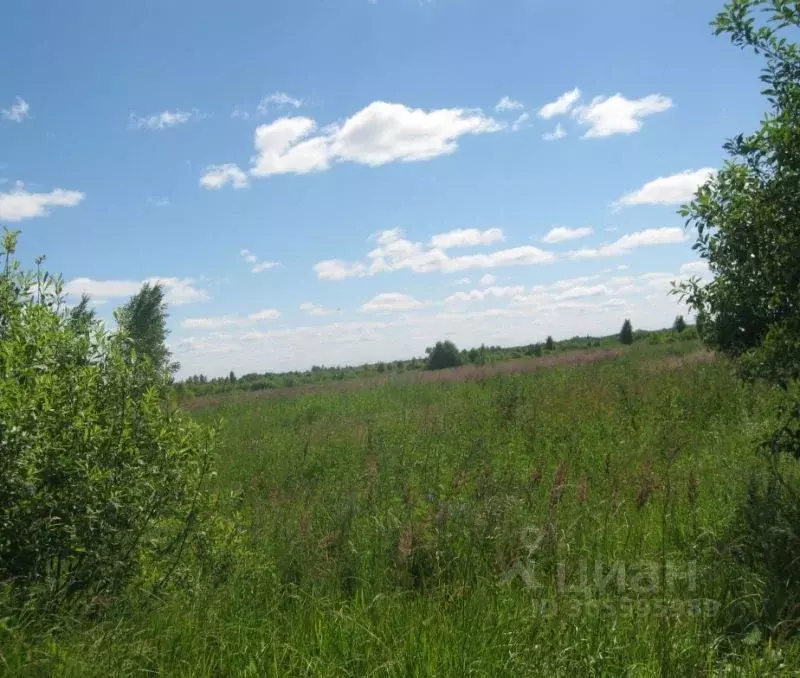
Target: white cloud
[
  {"x": 177, "y": 291},
  {"x": 487, "y": 279},
  {"x": 562, "y": 234},
  {"x": 378, "y": 134},
  {"x": 671, "y": 190},
  {"x": 484, "y": 294},
  {"x": 556, "y": 134},
  {"x": 20, "y": 204},
  {"x": 256, "y": 266},
  {"x": 395, "y": 253},
  {"x": 163, "y": 120},
  {"x": 466, "y": 237},
  {"x": 18, "y": 111},
  {"x": 560, "y": 106},
  {"x": 520, "y": 122},
  {"x": 391, "y": 302},
  {"x": 316, "y": 310},
  {"x": 508, "y": 104},
  {"x": 696, "y": 268},
  {"x": 461, "y": 281},
  {"x": 617, "y": 115},
  {"x": 216, "y": 176},
  {"x": 215, "y": 322},
  {"x": 277, "y": 100},
  {"x": 159, "y": 202},
  {"x": 627, "y": 243}
]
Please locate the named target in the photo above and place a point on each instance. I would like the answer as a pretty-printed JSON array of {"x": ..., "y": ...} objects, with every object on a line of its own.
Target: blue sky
[{"x": 333, "y": 182}]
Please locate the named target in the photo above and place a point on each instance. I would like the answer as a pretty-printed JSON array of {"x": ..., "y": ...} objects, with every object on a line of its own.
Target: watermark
[{"x": 581, "y": 587}]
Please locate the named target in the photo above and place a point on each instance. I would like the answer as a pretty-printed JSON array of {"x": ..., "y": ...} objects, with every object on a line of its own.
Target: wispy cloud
[
  {"x": 560, "y": 106},
  {"x": 18, "y": 111},
  {"x": 164, "y": 120},
  {"x": 256, "y": 266},
  {"x": 217, "y": 176},
  {"x": 562, "y": 234}
]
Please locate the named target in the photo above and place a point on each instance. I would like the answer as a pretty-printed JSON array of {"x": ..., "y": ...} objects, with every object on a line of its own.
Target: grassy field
[{"x": 575, "y": 520}]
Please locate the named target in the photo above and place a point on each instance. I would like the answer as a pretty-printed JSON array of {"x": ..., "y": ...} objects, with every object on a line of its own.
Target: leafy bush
[
  {"x": 100, "y": 481},
  {"x": 444, "y": 354}
]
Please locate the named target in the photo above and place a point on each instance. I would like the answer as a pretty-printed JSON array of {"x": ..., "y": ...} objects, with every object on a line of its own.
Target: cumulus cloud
[
  {"x": 556, "y": 134},
  {"x": 396, "y": 253},
  {"x": 484, "y": 294},
  {"x": 606, "y": 116},
  {"x": 217, "y": 176},
  {"x": 627, "y": 243},
  {"x": 508, "y": 104},
  {"x": 562, "y": 234},
  {"x": 177, "y": 291},
  {"x": 256, "y": 266},
  {"x": 560, "y": 106},
  {"x": 487, "y": 279},
  {"x": 670, "y": 190},
  {"x": 466, "y": 237},
  {"x": 379, "y": 134},
  {"x": 18, "y": 111},
  {"x": 163, "y": 120},
  {"x": 391, "y": 302},
  {"x": 21, "y": 204}
]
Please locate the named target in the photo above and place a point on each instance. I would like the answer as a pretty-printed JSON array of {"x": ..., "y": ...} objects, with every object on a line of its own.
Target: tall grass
[{"x": 473, "y": 527}]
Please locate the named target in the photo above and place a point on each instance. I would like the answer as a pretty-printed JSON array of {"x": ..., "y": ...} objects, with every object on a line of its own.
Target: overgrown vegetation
[{"x": 101, "y": 484}]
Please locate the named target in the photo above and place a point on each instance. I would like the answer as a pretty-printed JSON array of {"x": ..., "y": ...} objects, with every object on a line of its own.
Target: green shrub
[
  {"x": 100, "y": 481},
  {"x": 444, "y": 354}
]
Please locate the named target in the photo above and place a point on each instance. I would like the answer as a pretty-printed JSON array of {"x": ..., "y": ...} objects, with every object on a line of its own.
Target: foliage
[
  {"x": 144, "y": 321},
  {"x": 746, "y": 217},
  {"x": 549, "y": 344},
  {"x": 443, "y": 355},
  {"x": 626, "y": 333},
  {"x": 100, "y": 482},
  {"x": 679, "y": 325}
]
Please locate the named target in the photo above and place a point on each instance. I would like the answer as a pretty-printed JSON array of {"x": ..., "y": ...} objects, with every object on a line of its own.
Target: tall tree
[
  {"x": 747, "y": 218},
  {"x": 679, "y": 325},
  {"x": 144, "y": 320}
]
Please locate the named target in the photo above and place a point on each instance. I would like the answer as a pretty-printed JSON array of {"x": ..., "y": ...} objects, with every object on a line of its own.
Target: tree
[
  {"x": 232, "y": 377},
  {"x": 746, "y": 217},
  {"x": 679, "y": 325},
  {"x": 626, "y": 333},
  {"x": 144, "y": 320},
  {"x": 549, "y": 344},
  {"x": 444, "y": 354}
]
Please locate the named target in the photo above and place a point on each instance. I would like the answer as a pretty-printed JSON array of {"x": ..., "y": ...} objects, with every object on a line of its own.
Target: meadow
[{"x": 575, "y": 520}]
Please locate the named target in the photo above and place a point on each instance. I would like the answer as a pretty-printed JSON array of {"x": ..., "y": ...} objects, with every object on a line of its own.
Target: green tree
[
  {"x": 679, "y": 325},
  {"x": 144, "y": 321},
  {"x": 746, "y": 217},
  {"x": 626, "y": 333},
  {"x": 549, "y": 344},
  {"x": 232, "y": 377},
  {"x": 444, "y": 354}
]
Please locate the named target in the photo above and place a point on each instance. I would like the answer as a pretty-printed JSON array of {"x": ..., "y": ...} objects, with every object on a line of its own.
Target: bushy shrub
[
  {"x": 444, "y": 354},
  {"x": 100, "y": 481}
]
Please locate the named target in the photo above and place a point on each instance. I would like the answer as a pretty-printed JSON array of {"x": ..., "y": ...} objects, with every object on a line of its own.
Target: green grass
[{"x": 442, "y": 528}]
